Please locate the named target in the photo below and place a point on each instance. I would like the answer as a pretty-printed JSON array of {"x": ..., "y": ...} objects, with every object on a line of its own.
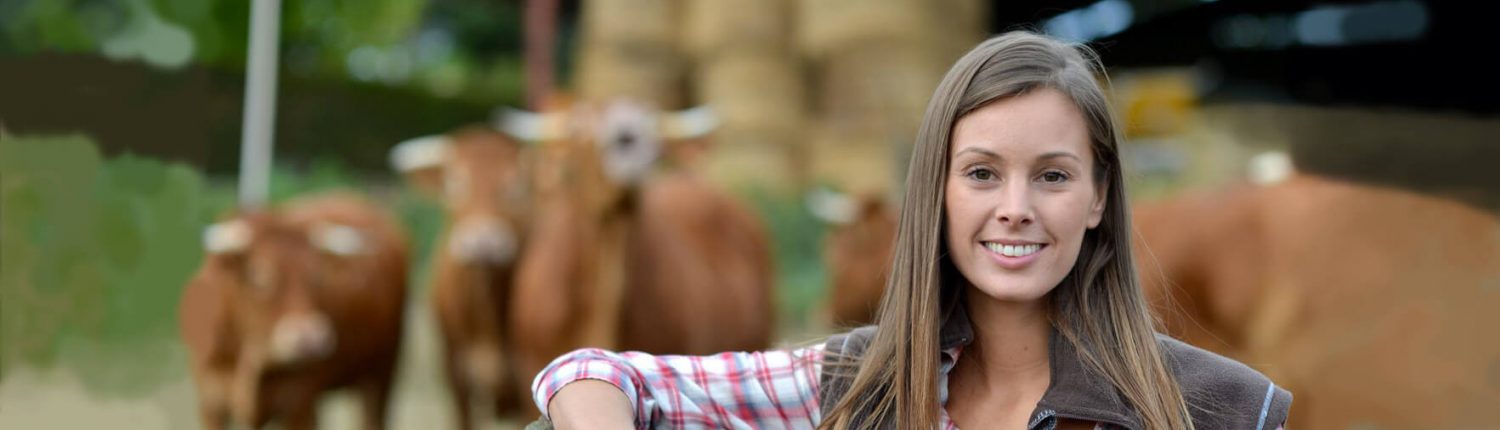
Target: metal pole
[{"x": 260, "y": 103}]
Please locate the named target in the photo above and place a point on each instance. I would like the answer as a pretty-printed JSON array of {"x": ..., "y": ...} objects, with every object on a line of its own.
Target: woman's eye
[
  {"x": 1054, "y": 177},
  {"x": 982, "y": 174}
]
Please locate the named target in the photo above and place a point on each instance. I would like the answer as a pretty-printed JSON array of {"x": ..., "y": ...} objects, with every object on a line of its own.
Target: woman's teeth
[{"x": 1013, "y": 250}]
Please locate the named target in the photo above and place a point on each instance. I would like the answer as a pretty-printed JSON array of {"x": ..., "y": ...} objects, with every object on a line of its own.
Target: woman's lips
[{"x": 1013, "y": 255}]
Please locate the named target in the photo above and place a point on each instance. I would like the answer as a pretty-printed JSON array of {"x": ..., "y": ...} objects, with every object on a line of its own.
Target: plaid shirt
[
  {"x": 740, "y": 390},
  {"x": 775, "y": 389}
]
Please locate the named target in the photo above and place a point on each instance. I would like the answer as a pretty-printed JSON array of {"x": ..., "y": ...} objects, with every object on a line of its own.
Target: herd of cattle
[
  {"x": 1368, "y": 303},
  {"x": 559, "y": 236}
]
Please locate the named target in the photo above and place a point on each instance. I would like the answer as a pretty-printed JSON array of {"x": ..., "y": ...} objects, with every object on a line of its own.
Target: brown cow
[
  {"x": 620, "y": 258},
  {"x": 292, "y": 303},
  {"x": 480, "y": 177},
  {"x": 856, "y": 253},
  {"x": 1374, "y": 306},
  {"x": 701, "y": 274}
]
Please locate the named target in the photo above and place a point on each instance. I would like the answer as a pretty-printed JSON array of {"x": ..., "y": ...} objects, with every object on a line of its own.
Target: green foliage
[
  {"x": 94, "y": 249},
  {"x": 96, "y": 252},
  {"x": 796, "y": 237},
  {"x": 451, "y": 48}
]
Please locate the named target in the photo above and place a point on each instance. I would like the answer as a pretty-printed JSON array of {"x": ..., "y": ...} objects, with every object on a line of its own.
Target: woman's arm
[
  {"x": 772, "y": 389},
  {"x": 591, "y": 404}
]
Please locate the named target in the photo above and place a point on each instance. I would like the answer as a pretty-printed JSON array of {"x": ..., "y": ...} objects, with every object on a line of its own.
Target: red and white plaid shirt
[
  {"x": 775, "y": 389},
  {"x": 739, "y": 390}
]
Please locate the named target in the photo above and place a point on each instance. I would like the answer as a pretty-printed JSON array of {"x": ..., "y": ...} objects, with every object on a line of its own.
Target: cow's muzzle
[
  {"x": 483, "y": 240},
  {"x": 301, "y": 338}
]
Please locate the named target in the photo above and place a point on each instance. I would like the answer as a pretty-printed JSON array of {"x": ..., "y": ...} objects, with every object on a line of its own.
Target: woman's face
[{"x": 1020, "y": 194}]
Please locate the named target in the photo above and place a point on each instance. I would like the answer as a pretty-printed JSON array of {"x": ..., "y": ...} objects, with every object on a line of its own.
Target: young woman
[{"x": 1012, "y": 301}]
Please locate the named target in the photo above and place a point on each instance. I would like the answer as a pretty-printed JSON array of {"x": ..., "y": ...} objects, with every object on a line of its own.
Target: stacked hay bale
[
  {"x": 629, "y": 48},
  {"x": 745, "y": 64},
  {"x": 875, "y": 64},
  {"x": 809, "y": 91}
]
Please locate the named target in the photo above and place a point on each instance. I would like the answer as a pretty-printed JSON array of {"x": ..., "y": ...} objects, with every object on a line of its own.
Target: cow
[
  {"x": 291, "y": 303},
  {"x": 622, "y": 257},
  {"x": 856, "y": 253},
  {"x": 481, "y": 178},
  {"x": 1373, "y": 305}
]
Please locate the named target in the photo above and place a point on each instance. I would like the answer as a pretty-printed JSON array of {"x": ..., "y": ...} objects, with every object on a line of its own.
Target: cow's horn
[
  {"x": 227, "y": 237},
  {"x": 420, "y": 153},
  {"x": 690, "y": 123},
  {"x": 338, "y": 239},
  {"x": 529, "y": 126}
]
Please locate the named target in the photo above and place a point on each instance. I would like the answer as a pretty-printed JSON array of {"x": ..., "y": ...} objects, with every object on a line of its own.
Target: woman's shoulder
[
  {"x": 1222, "y": 390},
  {"x": 850, "y": 343}
]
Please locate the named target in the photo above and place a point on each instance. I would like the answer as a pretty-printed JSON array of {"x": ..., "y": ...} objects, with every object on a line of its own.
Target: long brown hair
[{"x": 1098, "y": 307}]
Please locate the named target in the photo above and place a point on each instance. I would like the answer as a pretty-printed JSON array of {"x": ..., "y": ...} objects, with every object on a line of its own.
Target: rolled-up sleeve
[{"x": 771, "y": 389}]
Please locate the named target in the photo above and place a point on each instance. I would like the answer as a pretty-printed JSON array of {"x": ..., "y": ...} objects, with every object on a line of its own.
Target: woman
[{"x": 1012, "y": 302}]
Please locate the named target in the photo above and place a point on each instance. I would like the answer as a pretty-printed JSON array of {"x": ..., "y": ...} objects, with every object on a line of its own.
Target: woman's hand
[{"x": 590, "y": 404}]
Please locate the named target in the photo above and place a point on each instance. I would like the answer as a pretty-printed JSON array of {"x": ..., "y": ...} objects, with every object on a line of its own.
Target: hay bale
[
  {"x": 652, "y": 22},
  {"x": 825, "y": 26},
  {"x": 946, "y": 27},
  {"x": 757, "y": 160},
  {"x": 758, "y": 92},
  {"x": 644, "y": 72},
  {"x": 729, "y": 27},
  {"x": 762, "y": 100},
  {"x": 871, "y": 163},
  {"x": 875, "y": 88},
  {"x": 629, "y": 49}
]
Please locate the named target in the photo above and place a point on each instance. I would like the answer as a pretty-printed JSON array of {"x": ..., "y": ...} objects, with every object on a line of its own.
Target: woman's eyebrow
[
  {"x": 1060, "y": 154},
  {"x": 991, "y": 154},
  {"x": 980, "y": 151}
]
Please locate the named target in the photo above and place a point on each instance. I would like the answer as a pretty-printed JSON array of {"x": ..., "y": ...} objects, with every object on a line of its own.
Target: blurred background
[{"x": 120, "y": 126}]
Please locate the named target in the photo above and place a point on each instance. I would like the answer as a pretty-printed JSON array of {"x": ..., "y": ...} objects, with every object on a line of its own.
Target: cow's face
[
  {"x": 480, "y": 176},
  {"x": 626, "y": 138},
  {"x": 280, "y": 274},
  {"x": 857, "y": 250},
  {"x": 865, "y": 241},
  {"x": 603, "y": 150}
]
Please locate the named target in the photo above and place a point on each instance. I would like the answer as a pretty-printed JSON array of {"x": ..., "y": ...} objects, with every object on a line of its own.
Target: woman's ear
[{"x": 1101, "y": 200}]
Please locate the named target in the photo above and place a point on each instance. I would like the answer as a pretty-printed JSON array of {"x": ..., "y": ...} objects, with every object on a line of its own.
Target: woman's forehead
[{"x": 1038, "y": 123}]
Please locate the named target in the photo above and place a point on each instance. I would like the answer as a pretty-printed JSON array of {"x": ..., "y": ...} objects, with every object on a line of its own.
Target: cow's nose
[
  {"x": 301, "y": 338},
  {"x": 483, "y": 240}
]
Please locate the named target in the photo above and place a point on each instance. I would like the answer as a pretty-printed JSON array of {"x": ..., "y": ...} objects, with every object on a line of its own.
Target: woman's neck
[{"x": 1010, "y": 349}]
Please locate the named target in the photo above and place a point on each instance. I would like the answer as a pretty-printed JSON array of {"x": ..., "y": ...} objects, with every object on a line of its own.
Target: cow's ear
[
  {"x": 230, "y": 237},
  {"x": 338, "y": 239},
  {"x": 421, "y": 161},
  {"x": 691, "y": 123},
  {"x": 530, "y": 127},
  {"x": 687, "y": 134},
  {"x": 226, "y": 245}
]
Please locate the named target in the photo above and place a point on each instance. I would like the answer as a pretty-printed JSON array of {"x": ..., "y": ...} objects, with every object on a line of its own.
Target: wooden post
[{"x": 541, "y": 45}]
